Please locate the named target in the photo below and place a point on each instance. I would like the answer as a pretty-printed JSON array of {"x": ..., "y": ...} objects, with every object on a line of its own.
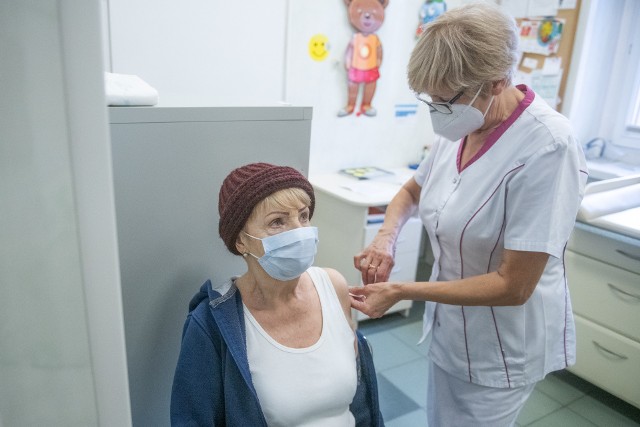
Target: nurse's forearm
[
  {"x": 487, "y": 290},
  {"x": 402, "y": 206},
  {"x": 512, "y": 283}
]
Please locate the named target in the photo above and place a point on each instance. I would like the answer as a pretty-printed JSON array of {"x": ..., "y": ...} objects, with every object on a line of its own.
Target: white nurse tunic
[{"x": 521, "y": 192}]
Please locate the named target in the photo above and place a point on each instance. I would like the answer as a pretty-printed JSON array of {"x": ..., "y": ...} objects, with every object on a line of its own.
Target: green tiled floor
[{"x": 561, "y": 399}]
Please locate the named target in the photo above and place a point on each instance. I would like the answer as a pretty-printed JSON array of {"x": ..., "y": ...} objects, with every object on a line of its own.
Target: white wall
[
  {"x": 61, "y": 337},
  {"x": 217, "y": 53},
  {"x": 201, "y": 52},
  {"x": 339, "y": 142}
]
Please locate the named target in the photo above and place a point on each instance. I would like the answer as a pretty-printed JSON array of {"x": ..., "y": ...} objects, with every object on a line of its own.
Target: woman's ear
[
  {"x": 498, "y": 86},
  {"x": 240, "y": 245}
]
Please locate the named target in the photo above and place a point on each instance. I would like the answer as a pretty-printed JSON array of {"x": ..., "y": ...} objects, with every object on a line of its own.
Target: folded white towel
[
  {"x": 608, "y": 202},
  {"x": 128, "y": 89}
]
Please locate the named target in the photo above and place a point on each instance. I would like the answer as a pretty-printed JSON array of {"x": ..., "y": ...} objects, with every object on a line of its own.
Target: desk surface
[{"x": 363, "y": 192}]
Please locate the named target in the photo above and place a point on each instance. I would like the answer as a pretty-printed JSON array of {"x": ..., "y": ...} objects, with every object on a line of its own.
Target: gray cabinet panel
[{"x": 167, "y": 173}]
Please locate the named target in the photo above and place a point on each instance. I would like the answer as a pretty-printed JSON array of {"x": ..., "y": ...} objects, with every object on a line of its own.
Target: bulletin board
[{"x": 533, "y": 64}]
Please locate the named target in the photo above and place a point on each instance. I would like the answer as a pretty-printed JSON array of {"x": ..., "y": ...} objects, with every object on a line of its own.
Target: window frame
[{"x": 624, "y": 99}]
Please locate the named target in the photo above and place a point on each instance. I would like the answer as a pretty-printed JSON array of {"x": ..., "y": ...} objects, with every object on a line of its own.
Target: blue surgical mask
[{"x": 288, "y": 254}]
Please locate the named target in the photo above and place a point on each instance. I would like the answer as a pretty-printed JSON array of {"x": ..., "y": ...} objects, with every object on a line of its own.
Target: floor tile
[
  {"x": 389, "y": 351},
  {"x": 393, "y": 402},
  {"x": 560, "y": 399},
  {"x": 562, "y": 418},
  {"x": 413, "y": 419},
  {"x": 559, "y": 390},
  {"x": 601, "y": 414},
  {"x": 538, "y": 406},
  {"x": 411, "y": 378},
  {"x": 410, "y": 335},
  {"x": 393, "y": 320},
  {"x": 575, "y": 381}
]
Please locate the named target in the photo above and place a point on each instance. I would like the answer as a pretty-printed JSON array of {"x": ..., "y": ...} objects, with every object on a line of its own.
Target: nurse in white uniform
[{"x": 498, "y": 195}]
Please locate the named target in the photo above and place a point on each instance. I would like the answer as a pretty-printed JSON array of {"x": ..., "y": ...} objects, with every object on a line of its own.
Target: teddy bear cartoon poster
[{"x": 363, "y": 55}]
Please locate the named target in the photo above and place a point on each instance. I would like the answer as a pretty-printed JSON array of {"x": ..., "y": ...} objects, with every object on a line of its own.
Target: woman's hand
[
  {"x": 374, "y": 299},
  {"x": 376, "y": 260}
]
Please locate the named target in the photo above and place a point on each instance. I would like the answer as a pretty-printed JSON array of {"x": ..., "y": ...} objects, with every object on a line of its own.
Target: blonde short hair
[
  {"x": 289, "y": 198},
  {"x": 463, "y": 49}
]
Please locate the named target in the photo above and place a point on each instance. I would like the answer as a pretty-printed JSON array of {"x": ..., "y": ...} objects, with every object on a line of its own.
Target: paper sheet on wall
[
  {"x": 516, "y": 8},
  {"x": 568, "y": 4},
  {"x": 541, "y": 36},
  {"x": 530, "y": 63},
  {"x": 552, "y": 65},
  {"x": 529, "y": 8},
  {"x": 542, "y": 8},
  {"x": 522, "y": 78},
  {"x": 546, "y": 86}
]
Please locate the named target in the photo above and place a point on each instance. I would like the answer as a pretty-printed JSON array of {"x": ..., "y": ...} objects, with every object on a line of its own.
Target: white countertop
[
  {"x": 363, "y": 192},
  {"x": 613, "y": 204},
  {"x": 607, "y": 169}
]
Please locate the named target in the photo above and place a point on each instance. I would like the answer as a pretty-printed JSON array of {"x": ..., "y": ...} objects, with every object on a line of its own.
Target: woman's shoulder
[
  {"x": 335, "y": 277},
  {"x": 549, "y": 121},
  {"x": 334, "y": 280}
]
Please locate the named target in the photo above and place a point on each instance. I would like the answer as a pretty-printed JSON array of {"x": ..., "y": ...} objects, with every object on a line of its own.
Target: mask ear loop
[
  {"x": 475, "y": 96},
  {"x": 244, "y": 254},
  {"x": 487, "y": 110}
]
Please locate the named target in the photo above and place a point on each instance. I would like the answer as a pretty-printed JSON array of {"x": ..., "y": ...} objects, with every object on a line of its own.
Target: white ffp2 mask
[{"x": 463, "y": 120}]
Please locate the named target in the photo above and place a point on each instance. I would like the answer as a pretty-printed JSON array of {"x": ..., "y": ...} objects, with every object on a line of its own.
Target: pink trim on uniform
[
  {"x": 504, "y": 360},
  {"x": 363, "y": 76},
  {"x": 466, "y": 344},
  {"x": 529, "y": 95}
]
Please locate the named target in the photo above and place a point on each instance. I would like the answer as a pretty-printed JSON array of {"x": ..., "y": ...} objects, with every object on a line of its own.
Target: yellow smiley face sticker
[{"x": 319, "y": 47}]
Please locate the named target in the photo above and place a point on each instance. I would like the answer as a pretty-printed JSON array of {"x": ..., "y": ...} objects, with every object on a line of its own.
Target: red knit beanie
[{"x": 247, "y": 186}]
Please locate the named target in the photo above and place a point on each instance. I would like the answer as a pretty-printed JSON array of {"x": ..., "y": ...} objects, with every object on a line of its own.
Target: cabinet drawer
[
  {"x": 608, "y": 360},
  {"x": 408, "y": 239},
  {"x": 607, "y": 295},
  {"x": 611, "y": 248}
]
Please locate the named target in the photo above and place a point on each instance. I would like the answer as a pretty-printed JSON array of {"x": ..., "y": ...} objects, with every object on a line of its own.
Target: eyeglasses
[{"x": 440, "y": 107}]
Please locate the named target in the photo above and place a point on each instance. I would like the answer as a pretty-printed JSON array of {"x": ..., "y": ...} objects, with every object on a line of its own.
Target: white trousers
[{"x": 454, "y": 402}]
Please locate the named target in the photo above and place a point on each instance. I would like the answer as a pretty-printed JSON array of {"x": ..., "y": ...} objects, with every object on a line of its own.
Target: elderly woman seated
[{"x": 276, "y": 345}]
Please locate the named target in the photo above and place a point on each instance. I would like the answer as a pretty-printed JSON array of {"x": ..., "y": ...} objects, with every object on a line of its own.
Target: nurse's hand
[
  {"x": 375, "y": 261},
  {"x": 374, "y": 299}
]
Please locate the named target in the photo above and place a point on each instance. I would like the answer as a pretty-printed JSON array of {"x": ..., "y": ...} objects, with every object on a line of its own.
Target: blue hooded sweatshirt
[{"x": 212, "y": 385}]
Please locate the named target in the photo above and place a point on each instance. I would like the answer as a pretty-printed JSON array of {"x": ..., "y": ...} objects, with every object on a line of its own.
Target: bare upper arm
[{"x": 342, "y": 290}]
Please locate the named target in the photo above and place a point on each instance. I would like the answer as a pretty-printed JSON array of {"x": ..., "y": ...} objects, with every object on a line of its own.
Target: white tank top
[{"x": 310, "y": 386}]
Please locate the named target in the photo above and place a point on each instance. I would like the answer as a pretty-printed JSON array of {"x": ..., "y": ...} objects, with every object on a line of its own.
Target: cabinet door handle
[
  {"x": 623, "y": 292},
  {"x": 609, "y": 352},
  {"x": 628, "y": 255}
]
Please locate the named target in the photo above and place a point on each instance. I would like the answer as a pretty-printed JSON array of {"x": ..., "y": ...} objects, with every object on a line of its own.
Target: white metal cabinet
[
  {"x": 603, "y": 270},
  {"x": 341, "y": 216}
]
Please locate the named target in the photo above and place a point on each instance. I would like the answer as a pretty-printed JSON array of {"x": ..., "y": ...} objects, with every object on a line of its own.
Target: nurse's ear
[{"x": 498, "y": 86}]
